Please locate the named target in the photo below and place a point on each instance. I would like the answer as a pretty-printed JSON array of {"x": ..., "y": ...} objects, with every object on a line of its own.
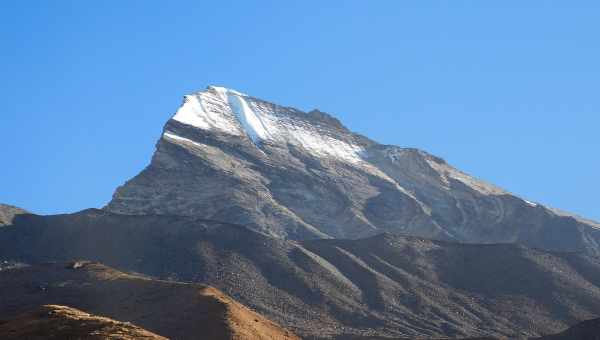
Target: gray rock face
[
  {"x": 8, "y": 213},
  {"x": 231, "y": 157}
]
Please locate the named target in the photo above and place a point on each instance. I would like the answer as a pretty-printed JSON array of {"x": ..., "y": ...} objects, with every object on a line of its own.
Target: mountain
[
  {"x": 322, "y": 230},
  {"x": 52, "y": 322},
  {"x": 171, "y": 309},
  {"x": 231, "y": 157},
  {"x": 386, "y": 285}
]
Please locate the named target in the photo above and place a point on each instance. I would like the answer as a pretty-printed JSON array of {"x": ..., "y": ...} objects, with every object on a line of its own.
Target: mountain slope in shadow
[
  {"x": 171, "y": 309},
  {"x": 384, "y": 285}
]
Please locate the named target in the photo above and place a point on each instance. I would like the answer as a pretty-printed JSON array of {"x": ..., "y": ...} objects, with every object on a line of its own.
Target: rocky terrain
[
  {"x": 234, "y": 158},
  {"x": 8, "y": 213},
  {"x": 52, "y": 322},
  {"x": 386, "y": 285},
  {"x": 587, "y": 330},
  {"x": 171, "y": 309},
  {"x": 326, "y": 232},
  {"x": 56, "y": 322}
]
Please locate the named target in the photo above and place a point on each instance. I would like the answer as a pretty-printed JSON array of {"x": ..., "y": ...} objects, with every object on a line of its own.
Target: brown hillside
[
  {"x": 387, "y": 286},
  {"x": 52, "y": 322},
  {"x": 174, "y": 310}
]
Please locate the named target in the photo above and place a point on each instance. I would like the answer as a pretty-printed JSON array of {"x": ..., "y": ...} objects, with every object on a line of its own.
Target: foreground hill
[
  {"x": 232, "y": 157},
  {"x": 52, "y": 322},
  {"x": 174, "y": 310},
  {"x": 384, "y": 285}
]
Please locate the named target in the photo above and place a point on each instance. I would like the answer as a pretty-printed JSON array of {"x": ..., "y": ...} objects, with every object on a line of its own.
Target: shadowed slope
[
  {"x": 384, "y": 285},
  {"x": 587, "y": 330},
  {"x": 174, "y": 310}
]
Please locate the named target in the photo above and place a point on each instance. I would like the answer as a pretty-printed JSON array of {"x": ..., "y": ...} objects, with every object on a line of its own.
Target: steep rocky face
[
  {"x": 8, "y": 213},
  {"x": 231, "y": 157},
  {"x": 386, "y": 285}
]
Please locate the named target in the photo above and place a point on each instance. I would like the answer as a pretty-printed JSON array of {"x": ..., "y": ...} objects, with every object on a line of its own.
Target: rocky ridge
[{"x": 235, "y": 158}]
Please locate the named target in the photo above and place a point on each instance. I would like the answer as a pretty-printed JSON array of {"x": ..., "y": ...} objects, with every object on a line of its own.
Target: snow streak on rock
[{"x": 232, "y": 112}]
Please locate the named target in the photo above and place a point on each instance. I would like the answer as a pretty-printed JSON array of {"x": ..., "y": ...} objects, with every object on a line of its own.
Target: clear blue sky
[{"x": 507, "y": 92}]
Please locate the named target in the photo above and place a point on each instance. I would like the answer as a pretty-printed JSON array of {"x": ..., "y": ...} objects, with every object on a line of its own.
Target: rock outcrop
[{"x": 8, "y": 213}]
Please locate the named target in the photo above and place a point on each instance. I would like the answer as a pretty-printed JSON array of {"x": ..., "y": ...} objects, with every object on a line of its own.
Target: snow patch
[
  {"x": 531, "y": 203},
  {"x": 284, "y": 129},
  {"x": 174, "y": 137},
  {"x": 191, "y": 113},
  {"x": 223, "y": 92},
  {"x": 232, "y": 112},
  {"x": 326, "y": 146},
  {"x": 203, "y": 111},
  {"x": 251, "y": 122}
]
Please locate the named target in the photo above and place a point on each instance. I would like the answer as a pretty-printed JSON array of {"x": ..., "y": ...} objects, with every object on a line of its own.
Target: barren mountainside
[
  {"x": 171, "y": 309},
  {"x": 386, "y": 285},
  {"x": 234, "y": 158},
  {"x": 324, "y": 231}
]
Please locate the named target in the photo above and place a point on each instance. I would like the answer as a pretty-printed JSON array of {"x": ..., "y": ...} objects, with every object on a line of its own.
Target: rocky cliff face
[
  {"x": 231, "y": 157},
  {"x": 8, "y": 213}
]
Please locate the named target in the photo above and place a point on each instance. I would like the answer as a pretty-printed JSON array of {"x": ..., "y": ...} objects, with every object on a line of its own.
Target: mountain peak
[
  {"x": 224, "y": 90},
  {"x": 232, "y": 157},
  {"x": 232, "y": 113}
]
